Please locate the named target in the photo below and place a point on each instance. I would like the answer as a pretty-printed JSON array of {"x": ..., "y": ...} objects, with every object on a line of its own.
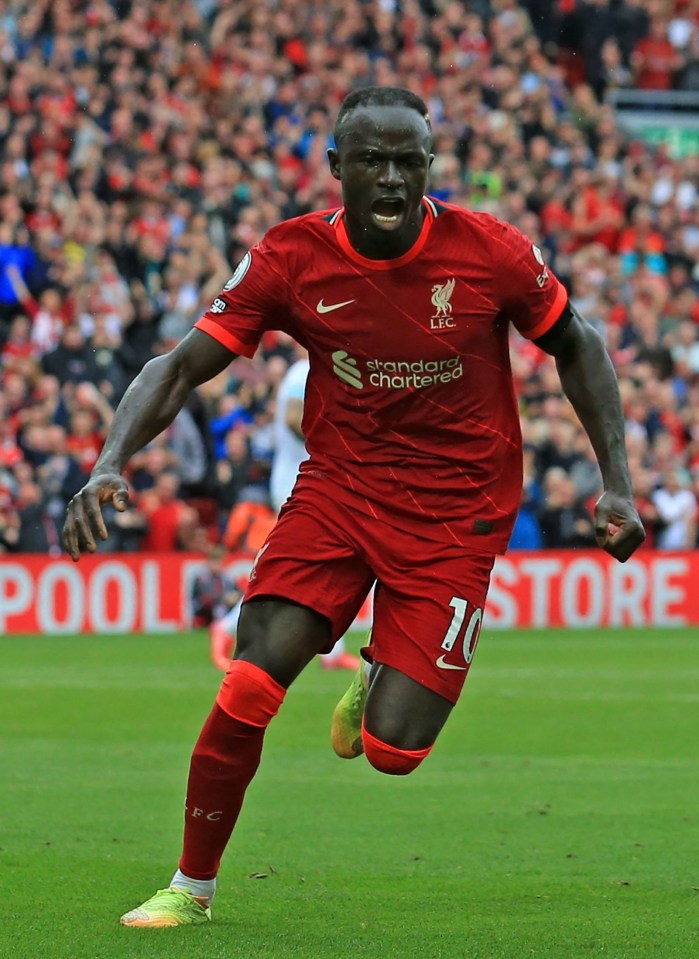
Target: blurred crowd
[{"x": 144, "y": 146}]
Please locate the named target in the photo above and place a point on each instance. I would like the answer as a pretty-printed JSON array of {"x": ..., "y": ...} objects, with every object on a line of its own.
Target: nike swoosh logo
[
  {"x": 443, "y": 665},
  {"x": 322, "y": 308}
]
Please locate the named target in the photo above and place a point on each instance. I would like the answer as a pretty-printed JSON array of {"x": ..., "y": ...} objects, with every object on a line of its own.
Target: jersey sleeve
[
  {"x": 253, "y": 301},
  {"x": 532, "y": 298}
]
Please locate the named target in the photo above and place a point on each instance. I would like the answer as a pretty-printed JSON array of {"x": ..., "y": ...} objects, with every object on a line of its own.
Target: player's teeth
[{"x": 386, "y": 219}]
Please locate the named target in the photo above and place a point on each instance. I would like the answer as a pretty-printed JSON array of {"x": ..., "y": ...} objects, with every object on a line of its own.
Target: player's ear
[
  {"x": 334, "y": 162},
  {"x": 429, "y": 161}
]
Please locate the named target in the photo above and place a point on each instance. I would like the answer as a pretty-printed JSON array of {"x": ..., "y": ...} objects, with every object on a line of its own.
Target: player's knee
[
  {"x": 390, "y": 759},
  {"x": 249, "y": 694}
]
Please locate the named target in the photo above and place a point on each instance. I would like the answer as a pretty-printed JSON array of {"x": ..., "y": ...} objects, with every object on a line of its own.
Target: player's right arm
[
  {"x": 149, "y": 406},
  {"x": 539, "y": 307}
]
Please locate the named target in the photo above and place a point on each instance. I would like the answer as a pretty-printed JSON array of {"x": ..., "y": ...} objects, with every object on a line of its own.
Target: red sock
[{"x": 224, "y": 761}]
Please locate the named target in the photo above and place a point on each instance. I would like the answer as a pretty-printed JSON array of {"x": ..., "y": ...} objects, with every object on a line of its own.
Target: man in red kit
[{"x": 415, "y": 460}]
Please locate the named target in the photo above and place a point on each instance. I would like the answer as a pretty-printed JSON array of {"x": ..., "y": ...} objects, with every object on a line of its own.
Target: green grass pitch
[{"x": 557, "y": 817}]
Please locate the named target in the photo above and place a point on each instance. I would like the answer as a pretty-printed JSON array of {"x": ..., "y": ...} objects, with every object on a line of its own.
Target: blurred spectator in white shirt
[{"x": 677, "y": 508}]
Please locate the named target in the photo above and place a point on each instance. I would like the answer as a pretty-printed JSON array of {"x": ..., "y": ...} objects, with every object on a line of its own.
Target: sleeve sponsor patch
[
  {"x": 240, "y": 272},
  {"x": 539, "y": 257}
]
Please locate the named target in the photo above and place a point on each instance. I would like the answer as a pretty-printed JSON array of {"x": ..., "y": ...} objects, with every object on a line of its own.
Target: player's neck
[{"x": 384, "y": 246}]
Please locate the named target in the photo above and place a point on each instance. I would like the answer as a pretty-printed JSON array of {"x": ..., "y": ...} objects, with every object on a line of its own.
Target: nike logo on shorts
[
  {"x": 322, "y": 308},
  {"x": 443, "y": 665}
]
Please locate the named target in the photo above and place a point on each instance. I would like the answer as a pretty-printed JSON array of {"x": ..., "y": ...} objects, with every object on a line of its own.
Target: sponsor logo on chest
[{"x": 396, "y": 374}]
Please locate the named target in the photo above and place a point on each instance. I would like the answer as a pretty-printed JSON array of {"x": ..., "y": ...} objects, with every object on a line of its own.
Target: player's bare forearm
[{"x": 589, "y": 381}]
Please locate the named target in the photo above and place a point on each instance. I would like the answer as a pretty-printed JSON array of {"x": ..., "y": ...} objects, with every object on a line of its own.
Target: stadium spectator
[
  {"x": 644, "y": 489},
  {"x": 213, "y": 592},
  {"x": 685, "y": 348},
  {"x": 654, "y": 59},
  {"x": 598, "y": 22},
  {"x": 688, "y": 78},
  {"x": 526, "y": 533},
  {"x": 58, "y": 477},
  {"x": 18, "y": 343},
  {"x": 563, "y": 518},
  {"x": 10, "y": 521},
  {"x": 289, "y": 446},
  {"x": 612, "y": 73},
  {"x": 677, "y": 509},
  {"x": 234, "y": 411},
  {"x": 48, "y": 316},
  {"x": 171, "y": 523},
  {"x": 189, "y": 453},
  {"x": 73, "y": 360},
  {"x": 38, "y": 529},
  {"x": 17, "y": 259},
  {"x": 559, "y": 448},
  {"x": 640, "y": 245},
  {"x": 90, "y": 418},
  {"x": 125, "y": 529},
  {"x": 250, "y": 522},
  {"x": 233, "y": 470}
]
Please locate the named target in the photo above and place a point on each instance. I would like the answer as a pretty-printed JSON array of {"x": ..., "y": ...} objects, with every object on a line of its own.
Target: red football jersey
[{"x": 410, "y": 407}]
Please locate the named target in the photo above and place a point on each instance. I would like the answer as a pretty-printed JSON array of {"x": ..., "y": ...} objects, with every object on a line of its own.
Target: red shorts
[{"x": 429, "y": 596}]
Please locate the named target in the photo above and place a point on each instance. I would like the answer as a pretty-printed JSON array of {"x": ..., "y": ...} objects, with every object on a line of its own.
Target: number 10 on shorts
[{"x": 470, "y": 631}]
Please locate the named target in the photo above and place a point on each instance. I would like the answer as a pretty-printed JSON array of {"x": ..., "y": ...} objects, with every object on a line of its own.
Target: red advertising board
[
  {"x": 580, "y": 588},
  {"x": 134, "y": 592}
]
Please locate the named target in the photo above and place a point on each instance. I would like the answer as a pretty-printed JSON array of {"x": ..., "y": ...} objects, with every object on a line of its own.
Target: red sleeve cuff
[
  {"x": 554, "y": 312},
  {"x": 224, "y": 337}
]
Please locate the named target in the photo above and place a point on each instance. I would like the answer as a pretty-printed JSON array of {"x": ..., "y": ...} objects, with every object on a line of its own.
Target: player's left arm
[{"x": 589, "y": 381}]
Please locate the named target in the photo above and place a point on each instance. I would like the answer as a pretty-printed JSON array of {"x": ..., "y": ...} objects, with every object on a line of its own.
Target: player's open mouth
[{"x": 388, "y": 210}]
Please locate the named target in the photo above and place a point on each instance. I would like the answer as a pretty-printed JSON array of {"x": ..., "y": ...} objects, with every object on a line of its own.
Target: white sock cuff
[{"x": 206, "y": 888}]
